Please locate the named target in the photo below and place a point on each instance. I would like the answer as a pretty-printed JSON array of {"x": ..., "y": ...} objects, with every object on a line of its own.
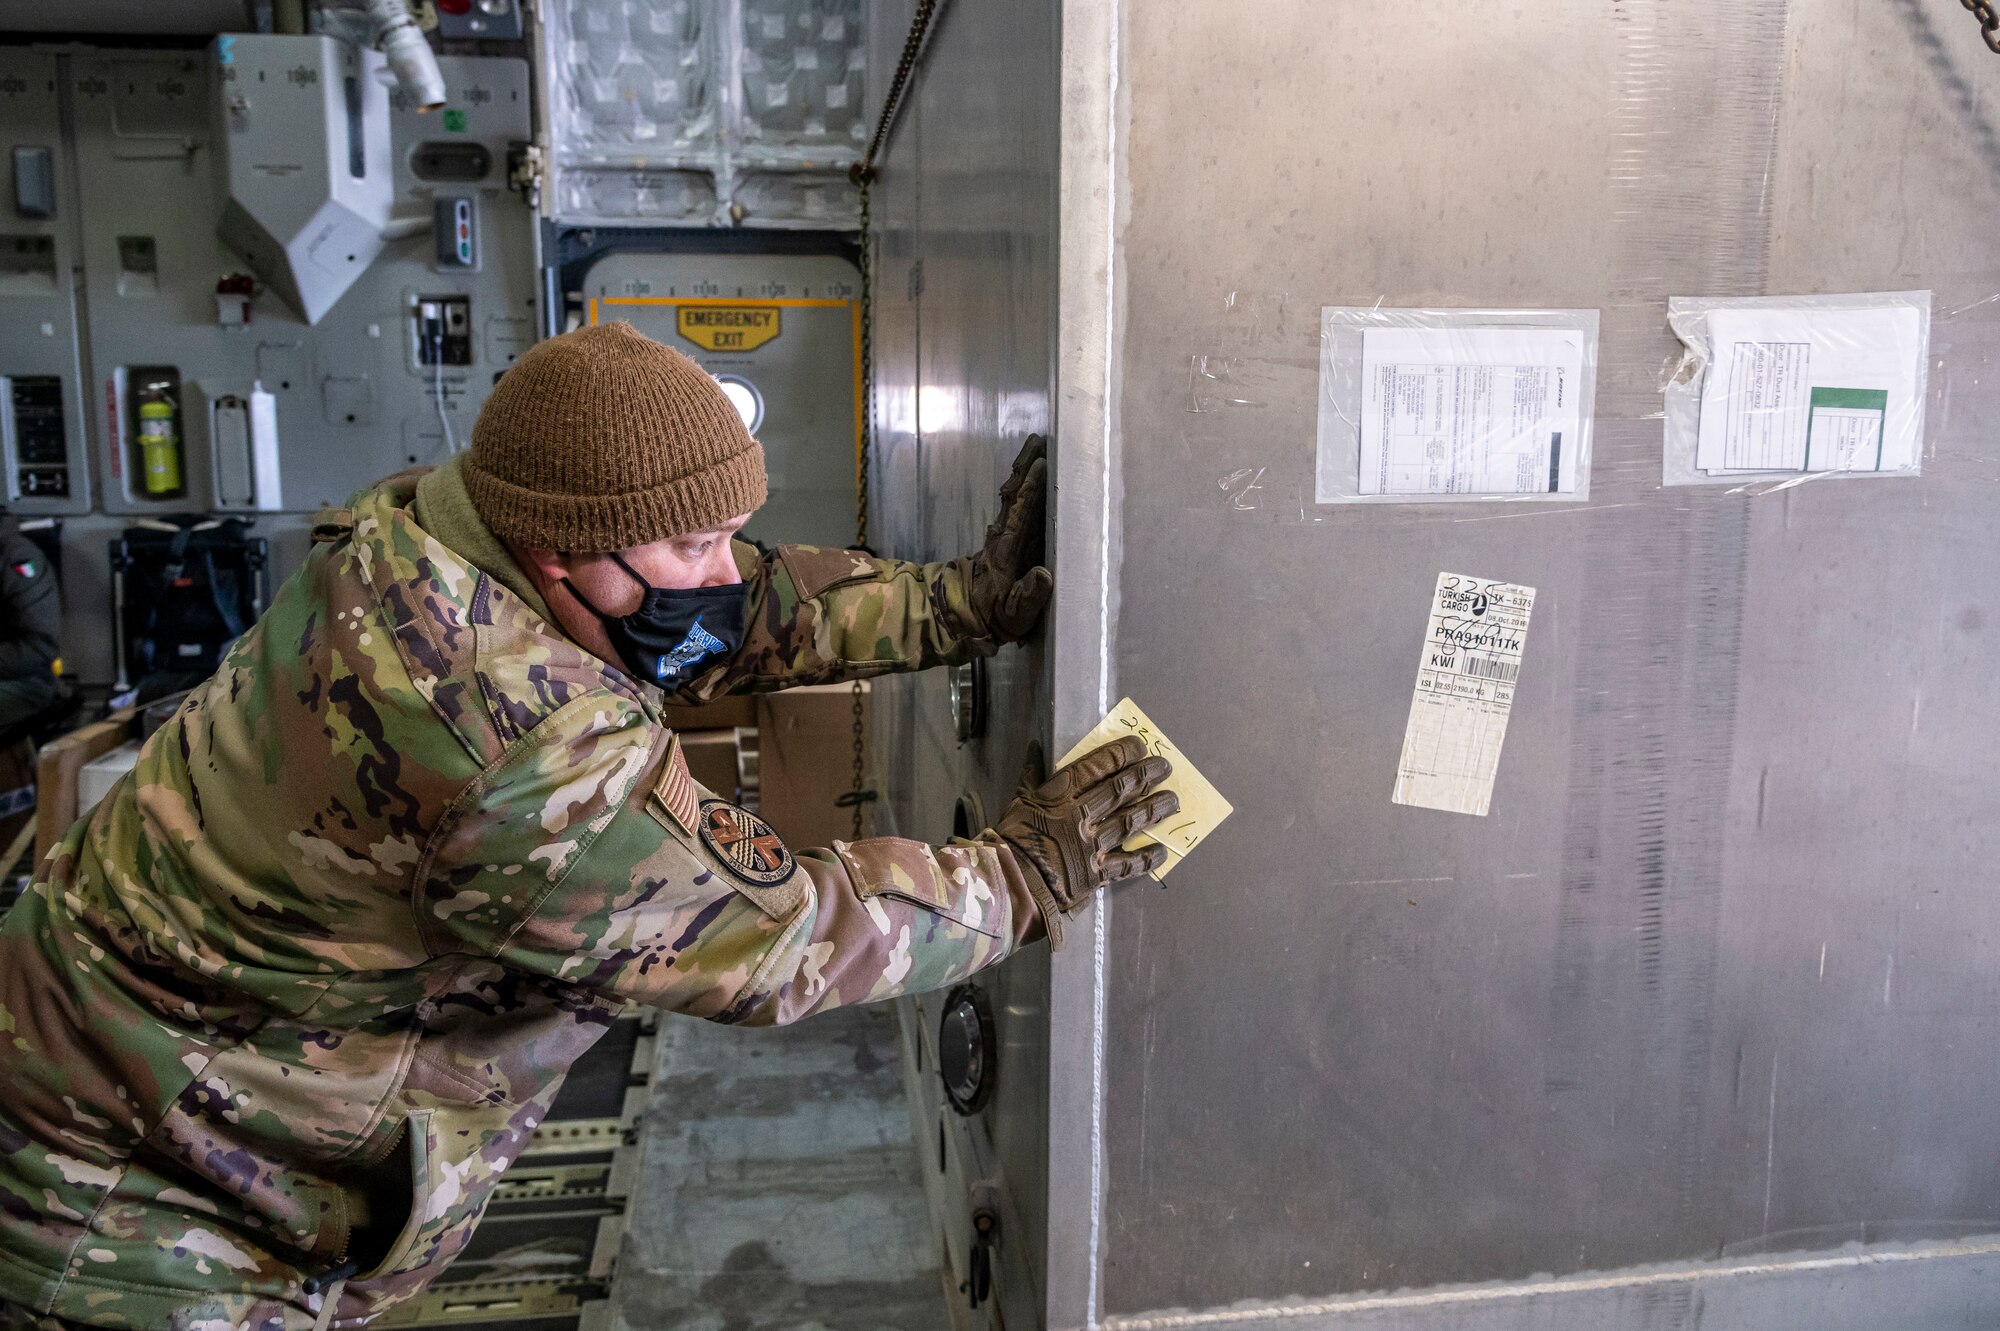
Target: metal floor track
[{"x": 543, "y": 1256}]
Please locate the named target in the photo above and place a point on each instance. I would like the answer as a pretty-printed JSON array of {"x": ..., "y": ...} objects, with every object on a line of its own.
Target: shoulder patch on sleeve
[
  {"x": 674, "y": 794},
  {"x": 752, "y": 857},
  {"x": 816, "y": 571}
]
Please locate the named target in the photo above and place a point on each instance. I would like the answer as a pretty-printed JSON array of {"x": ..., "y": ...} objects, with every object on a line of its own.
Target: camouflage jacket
[{"x": 375, "y": 887}]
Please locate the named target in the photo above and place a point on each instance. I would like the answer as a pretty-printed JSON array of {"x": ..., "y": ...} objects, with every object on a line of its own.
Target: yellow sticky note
[{"x": 1202, "y": 805}]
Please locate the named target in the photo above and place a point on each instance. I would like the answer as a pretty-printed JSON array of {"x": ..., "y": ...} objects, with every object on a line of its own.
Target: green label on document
[{"x": 1845, "y": 427}]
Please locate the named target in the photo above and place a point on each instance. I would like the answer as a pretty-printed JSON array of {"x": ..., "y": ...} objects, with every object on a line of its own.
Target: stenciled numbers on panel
[{"x": 781, "y": 334}]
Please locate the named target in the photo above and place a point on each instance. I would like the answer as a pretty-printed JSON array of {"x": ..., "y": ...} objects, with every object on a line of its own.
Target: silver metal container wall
[
  {"x": 1692, "y": 1028},
  {"x": 1713, "y": 981},
  {"x": 964, "y": 345}
]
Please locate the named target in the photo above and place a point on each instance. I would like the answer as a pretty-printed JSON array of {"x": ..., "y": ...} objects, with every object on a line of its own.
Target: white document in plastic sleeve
[
  {"x": 1465, "y": 692},
  {"x": 1470, "y": 410},
  {"x": 1807, "y": 390}
]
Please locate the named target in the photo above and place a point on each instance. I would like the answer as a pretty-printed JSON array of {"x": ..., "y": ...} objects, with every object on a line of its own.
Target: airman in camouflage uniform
[{"x": 279, "y": 1012}]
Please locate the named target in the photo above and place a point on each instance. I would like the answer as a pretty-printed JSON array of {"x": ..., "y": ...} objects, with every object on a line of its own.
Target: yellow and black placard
[{"x": 728, "y": 327}]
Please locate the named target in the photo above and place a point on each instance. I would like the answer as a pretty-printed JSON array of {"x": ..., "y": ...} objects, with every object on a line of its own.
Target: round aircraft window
[
  {"x": 966, "y": 1049},
  {"x": 966, "y": 685},
  {"x": 743, "y": 396}
]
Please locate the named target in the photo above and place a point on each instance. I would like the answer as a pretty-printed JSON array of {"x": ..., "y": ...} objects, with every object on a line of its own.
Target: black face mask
[{"x": 674, "y": 631}]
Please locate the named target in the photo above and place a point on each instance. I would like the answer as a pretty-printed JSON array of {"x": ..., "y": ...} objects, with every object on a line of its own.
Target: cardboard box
[
  {"x": 722, "y": 714},
  {"x": 805, "y": 760},
  {"x": 712, "y": 760},
  {"x": 103, "y": 772},
  {"x": 61, "y": 763}
]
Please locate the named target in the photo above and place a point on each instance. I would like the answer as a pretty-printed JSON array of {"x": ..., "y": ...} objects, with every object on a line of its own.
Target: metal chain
[
  {"x": 865, "y": 446},
  {"x": 913, "y": 45},
  {"x": 1989, "y": 21},
  {"x": 861, "y": 795},
  {"x": 864, "y": 449}
]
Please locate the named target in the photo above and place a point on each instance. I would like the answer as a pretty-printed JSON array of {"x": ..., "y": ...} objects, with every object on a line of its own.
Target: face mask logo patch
[
  {"x": 674, "y": 630},
  {"x": 746, "y": 845},
  {"x": 699, "y": 643}
]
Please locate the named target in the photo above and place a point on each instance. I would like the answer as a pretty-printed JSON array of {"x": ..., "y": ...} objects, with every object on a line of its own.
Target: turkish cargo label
[
  {"x": 728, "y": 327},
  {"x": 1465, "y": 691}
]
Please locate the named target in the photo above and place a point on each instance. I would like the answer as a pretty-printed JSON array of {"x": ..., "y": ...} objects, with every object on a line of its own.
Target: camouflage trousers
[{"x": 13, "y": 1317}]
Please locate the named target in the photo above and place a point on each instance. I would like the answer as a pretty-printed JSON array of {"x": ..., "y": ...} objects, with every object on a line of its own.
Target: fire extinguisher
[{"x": 159, "y": 439}]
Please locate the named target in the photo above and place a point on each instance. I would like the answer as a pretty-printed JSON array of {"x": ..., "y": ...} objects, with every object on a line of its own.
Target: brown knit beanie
[{"x": 603, "y": 439}]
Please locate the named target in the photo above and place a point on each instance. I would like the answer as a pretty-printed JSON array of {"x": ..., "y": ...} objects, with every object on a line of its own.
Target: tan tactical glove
[
  {"x": 1068, "y": 830},
  {"x": 1007, "y": 585}
]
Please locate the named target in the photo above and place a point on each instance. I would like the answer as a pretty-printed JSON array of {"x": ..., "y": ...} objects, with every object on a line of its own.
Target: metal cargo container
[{"x": 1693, "y": 1028}]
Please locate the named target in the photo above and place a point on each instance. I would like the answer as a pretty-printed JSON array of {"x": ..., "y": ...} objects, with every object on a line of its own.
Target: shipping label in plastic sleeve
[
  {"x": 1202, "y": 806},
  {"x": 1454, "y": 406},
  {"x": 1471, "y": 660},
  {"x": 1811, "y": 388},
  {"x": 1470, "y": 411}
]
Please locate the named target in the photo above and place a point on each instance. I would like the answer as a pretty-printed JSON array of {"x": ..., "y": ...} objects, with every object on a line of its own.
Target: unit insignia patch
[{"x": 747, "y": 846}]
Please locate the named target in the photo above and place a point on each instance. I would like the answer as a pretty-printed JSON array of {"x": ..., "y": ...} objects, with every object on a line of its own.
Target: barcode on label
[{"x": 1482, "y": 667}]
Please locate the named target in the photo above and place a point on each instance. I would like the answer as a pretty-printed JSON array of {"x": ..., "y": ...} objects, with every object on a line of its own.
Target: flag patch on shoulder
[{"x": 675, "y": 792}]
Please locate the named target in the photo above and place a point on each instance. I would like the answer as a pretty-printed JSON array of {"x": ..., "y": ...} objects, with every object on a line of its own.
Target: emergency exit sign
[{"x": 728, "y": 327}]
